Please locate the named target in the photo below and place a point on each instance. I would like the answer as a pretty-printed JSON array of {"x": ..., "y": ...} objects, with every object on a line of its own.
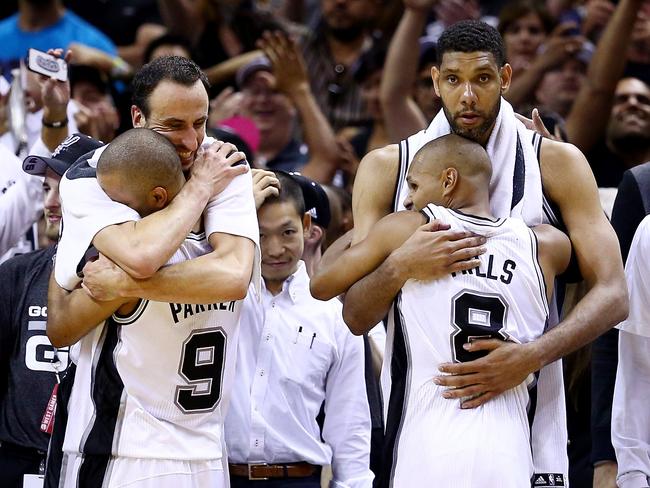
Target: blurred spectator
[
  {"x": 449, "y": 12},
  {"x": 372, "y": 134},
  {"x": 332, "y": 54},
  {"x": 130, "y": 24},
  {"x": 524, "y": 26},
  {"x": 609, "y": 118},
  {"x": 535, "y": 46},
  {"x": 340, "y": 212},
  {"x": 97, "y": 115},
  {"x": 424, "y": 94},
  {"x": 20, "y": 203},
  {"x": 559, "y": 85},
  {"x": 44, "y": 24},
  {"x": 402, "y": 115},
  {"x": 29, "y": 366},
  {"x": 276, "y": 96},
  {"x": 217, "y": 30},
  {"x": 167, "y": 45}
]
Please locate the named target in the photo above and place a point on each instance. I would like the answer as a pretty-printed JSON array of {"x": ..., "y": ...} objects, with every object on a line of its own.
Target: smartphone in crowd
[{"x": 48, "y": 65}]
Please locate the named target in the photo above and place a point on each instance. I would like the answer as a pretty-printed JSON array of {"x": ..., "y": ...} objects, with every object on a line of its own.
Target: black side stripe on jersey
[
  {"x": 401, "y": 171},
  {"x": 400, "y": 372},
  {"x": 534, "y": 243},
  {"x": 518, "y": 176},
  {"x": 107, "y": 388},
  {"x": 532, "y": 406},
  {"x": 55, "y": 466}
]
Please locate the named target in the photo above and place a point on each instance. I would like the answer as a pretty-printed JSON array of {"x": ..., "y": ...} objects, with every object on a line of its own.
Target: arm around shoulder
[
  {"x": 71, "y": 315},
  {"x": 374, "y": 189},
  {"x": 570, "y": 184}
]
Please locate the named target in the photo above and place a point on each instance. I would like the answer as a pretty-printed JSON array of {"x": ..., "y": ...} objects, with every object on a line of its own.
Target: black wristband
[{"x": 58, "y": 124}]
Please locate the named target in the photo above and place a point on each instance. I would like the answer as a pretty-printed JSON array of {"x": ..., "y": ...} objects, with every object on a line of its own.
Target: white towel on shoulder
[{"x": 516, "y": 184}]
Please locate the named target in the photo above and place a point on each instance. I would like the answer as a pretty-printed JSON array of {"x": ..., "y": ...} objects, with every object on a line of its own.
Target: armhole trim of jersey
[
  {"x": 401, "y": 171},
  {"x": 428, "y": 213},
  {"x": 196, "y": 236},
  {"x": 538, "y": 270},
  {"x": 133, "y": 316}
]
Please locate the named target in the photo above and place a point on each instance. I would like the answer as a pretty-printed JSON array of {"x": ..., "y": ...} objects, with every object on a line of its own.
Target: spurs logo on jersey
[{"x": 430, "y": 437}]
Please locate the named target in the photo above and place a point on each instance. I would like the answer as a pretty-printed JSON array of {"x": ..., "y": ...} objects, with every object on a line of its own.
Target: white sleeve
[
  {"x": 637, "y": 275},
  {"x": 233, "y": 212},
  {"x": 86, "y": 210},
  {"x": 21, "y": 200},
  {"x": 347, "y": 415},
  {"x": 630, "y": 416}
]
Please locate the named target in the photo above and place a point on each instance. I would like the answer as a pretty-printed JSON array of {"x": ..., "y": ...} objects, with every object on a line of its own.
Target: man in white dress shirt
[
  {"x": 630, "y": 418},
  {"x": 295, "y": 354}
]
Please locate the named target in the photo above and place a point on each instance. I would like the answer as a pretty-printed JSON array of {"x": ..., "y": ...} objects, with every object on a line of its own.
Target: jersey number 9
[{"x": 201, "y": 367}]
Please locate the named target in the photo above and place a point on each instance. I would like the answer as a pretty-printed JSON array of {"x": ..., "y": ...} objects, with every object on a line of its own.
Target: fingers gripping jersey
[
  {"x": 429, "y": 437},
  {"x": 156, "y": 384}
]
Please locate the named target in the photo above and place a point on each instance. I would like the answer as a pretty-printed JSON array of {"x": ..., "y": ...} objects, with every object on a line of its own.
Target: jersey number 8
[{"x": 476, "y": 316}]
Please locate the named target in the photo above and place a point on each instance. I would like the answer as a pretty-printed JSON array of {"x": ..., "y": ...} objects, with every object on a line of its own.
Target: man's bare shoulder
[
  {"x": 397, "y": 227},
  {"x": 565, "y": 171},
  {"x": 380, "y": 163}
]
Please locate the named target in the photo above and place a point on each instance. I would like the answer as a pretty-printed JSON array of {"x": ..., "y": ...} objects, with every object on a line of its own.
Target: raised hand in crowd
[
  {"x": 640, "y": 46},
  {"x": 99, "y": 122},
  {"x": 451, "y": 11},
  {"x": 225, "y": 105},
  {"x": 55, "y": 96},
  {"x": 287, "y": 61},
  {"x": 560, "y": 45},
  {"x": 598, "y": 13}
]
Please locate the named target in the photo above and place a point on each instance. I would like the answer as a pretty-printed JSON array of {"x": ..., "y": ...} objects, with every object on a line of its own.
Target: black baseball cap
[
  {"x": 72, "y": 148},
  {"x": 316, "y": 201}
]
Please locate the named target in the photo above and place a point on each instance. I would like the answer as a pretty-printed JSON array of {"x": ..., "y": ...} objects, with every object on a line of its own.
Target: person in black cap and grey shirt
[{"x": 29, "y": 366}]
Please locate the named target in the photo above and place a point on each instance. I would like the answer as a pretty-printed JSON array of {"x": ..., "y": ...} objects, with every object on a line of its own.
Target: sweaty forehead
[{"x": 456, "y": 60}]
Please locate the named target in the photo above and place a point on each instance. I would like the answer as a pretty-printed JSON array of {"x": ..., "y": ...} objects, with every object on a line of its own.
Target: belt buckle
[{"x": 250, "y": 473}]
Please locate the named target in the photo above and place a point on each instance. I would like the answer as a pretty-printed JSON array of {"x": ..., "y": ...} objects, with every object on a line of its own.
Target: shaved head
[
  {"x": 451, "y": 171},
  {"x": 453, "y": 151},
  {"x": 135, "y": 164}
]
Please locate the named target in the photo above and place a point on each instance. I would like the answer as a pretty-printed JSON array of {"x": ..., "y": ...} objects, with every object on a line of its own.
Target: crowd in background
[{"x": 314, "y": 85}]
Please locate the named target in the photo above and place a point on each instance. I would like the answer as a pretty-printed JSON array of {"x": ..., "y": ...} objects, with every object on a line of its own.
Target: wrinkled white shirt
[
  {"x": 630, "y": 414},
  {"x": 295, "y": 352}
]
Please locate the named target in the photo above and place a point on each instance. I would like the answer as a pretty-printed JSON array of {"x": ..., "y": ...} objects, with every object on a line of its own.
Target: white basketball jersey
[
  {"x": 156, "y": 384},
  {"x": 429, "y": 438},
  {"x": 549, "y": 431}
]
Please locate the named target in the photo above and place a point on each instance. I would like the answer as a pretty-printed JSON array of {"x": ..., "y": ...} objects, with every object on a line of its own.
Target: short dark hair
[
  {"x": 513, "y": 11},
  {"x": 166, "y": 40},
  {"x": 173, "y": 68},
  {"x": 289, "y": 192},
  {"x": 468, "y": 36}
]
